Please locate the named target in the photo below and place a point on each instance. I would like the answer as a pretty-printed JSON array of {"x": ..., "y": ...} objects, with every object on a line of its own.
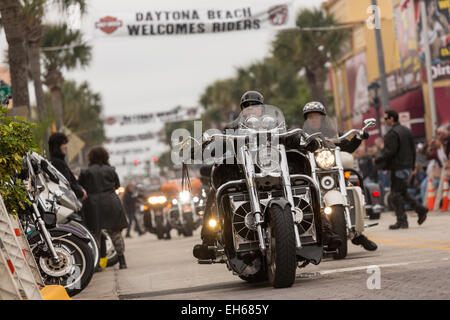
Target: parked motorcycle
[
  {"x": 266, "y": 215},
  {"x": 343, "y": 202},
  {"x": 61, "y": 251}
]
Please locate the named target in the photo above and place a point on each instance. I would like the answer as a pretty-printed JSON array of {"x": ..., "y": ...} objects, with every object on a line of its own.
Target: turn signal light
[{"x": 347, "y": 174}]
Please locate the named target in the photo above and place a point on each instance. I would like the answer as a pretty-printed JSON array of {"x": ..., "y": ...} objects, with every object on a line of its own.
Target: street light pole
[
  {"x": 380, "y": 55},
  {"x": 432, "y": 102},
  {"x": 374, "y": 95}
]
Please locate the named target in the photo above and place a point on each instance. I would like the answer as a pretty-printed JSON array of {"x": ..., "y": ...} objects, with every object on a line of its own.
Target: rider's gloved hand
[
  {"x": 313, "y": 145},
  {"x": 364, "y": 136}
]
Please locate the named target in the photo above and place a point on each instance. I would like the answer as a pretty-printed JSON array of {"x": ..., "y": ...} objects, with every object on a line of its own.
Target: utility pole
[
  {"x": 426, "y": 48},
  {"x": 380, "y": 55}
]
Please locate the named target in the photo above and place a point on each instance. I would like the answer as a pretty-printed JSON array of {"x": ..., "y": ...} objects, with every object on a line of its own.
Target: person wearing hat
[{"x": 57, "y": 143}]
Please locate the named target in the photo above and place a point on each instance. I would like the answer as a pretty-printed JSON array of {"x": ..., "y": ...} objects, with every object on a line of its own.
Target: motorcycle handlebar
[{"x": 234, "y": 137}]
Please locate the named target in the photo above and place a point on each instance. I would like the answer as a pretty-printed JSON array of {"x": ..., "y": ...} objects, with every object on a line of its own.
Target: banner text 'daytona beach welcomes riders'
[{"x": 194, "y": 21}]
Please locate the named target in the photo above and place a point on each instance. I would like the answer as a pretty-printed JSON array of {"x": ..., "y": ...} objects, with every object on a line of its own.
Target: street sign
[
  {"x": 4, "y": 90},
  {"x": 74, "y": 146}
]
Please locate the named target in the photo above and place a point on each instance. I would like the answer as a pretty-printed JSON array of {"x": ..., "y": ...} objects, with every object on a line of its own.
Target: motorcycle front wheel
[
  {"x": 76, "y": 266},
  {"x": 281, "y": 252},
  {"x": 339, "y": 227},
  {"x": 188, "y": 225},
  {"x": 92, "y": 244}
]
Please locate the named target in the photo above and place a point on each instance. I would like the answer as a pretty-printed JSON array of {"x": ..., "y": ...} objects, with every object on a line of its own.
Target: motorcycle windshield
[
  {"x": 317, "y": 122},
  {"x": 261, "y": 118}
]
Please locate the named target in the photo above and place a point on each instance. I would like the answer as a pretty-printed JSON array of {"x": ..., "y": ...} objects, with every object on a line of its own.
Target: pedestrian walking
[
  {"x": 130, "y": 204},
  {"x": 57, "y": 144},
  {"x": 103, "y": 208},
  {"x": 399, "y": 156}
]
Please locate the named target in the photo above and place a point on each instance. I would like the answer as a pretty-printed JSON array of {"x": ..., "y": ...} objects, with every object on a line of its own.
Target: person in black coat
[
  {"x": 103, "y": 208},
  {"x": 58, "y": 148},
  {"x": 399, "y": 157}
]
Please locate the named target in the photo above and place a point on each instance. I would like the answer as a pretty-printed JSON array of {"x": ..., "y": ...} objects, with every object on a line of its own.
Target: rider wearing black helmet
[
  {"x": 251, "y": 98},
  {"x": 315, "y": 113}
]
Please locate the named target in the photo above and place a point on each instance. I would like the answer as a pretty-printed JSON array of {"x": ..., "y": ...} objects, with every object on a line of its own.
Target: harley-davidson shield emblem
[
  {"x": 108, "y": 24},
  {"x": 278, "y": 15}
]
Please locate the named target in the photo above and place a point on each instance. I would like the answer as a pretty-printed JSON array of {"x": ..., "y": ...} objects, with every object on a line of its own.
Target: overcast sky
[{"x": 146, "y": 74}]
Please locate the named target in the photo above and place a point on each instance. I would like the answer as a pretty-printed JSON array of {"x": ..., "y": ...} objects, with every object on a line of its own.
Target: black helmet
[
  {"x": 314, "y": 106},
  {"x": 251, "y": 98}
]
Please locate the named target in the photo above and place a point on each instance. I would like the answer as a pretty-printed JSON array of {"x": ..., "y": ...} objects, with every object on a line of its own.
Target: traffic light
[
  {"x": 155, "y": 159},
  {"x": 136, "y": 162}
]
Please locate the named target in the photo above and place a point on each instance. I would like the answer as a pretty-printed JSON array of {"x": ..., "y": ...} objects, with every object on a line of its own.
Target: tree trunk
[
  {"x": 35, "y": 67},
  {"x": 57, "y": 103},
  {"x": 54, "y": 81},
  {"x": 316, "y": 82},
  {"x": 12, "y": 24}
]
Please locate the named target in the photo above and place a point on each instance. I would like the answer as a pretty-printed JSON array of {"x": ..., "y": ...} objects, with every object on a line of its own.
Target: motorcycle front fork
[{"x": 45, "y": 235}]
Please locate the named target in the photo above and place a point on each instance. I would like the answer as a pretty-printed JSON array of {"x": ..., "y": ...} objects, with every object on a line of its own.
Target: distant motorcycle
[
  {"x": 183, "y": 215},
  {"x": 155, "y": 216}
]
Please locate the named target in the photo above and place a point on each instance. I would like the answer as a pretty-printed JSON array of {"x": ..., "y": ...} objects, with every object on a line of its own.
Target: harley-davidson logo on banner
[{"x": 194, "y": 21}]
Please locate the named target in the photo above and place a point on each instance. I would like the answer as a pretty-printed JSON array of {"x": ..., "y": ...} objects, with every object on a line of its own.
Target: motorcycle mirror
[{"x": 371, "y": 122}]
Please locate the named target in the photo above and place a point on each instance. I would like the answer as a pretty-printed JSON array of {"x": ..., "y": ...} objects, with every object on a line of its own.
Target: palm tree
[
  {"x": 75, "y": 54},
  {"x": 32, "y": 12},
  {"x": 12, "y": 24},
  {"x": 311, "y": 49}
]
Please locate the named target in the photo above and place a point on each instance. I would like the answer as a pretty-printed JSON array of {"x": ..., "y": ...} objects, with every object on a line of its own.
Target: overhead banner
[
  {"x": 164, "y": 22},
  {"x": 136, "y": 137},
  {"x": 166, "y": 116}
]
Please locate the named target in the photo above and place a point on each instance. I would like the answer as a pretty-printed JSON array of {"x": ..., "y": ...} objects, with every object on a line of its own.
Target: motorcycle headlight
[
  {"x": 252, "y": 123},
  {"x": 327, "y": 183},
  {"x": 325, "y": 158},
  {"x": 268, "y": 159},
  {"x": 185, "y": 196},
  {"x": 268, "y": 122},
  {"x": 195, "y": 199},
  {"x": 174, "y": 201},
  {"x": 157, "y": 200}
]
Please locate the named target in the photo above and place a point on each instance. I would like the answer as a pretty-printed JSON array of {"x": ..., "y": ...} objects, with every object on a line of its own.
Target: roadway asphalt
[{"x": 412, "y": 264}]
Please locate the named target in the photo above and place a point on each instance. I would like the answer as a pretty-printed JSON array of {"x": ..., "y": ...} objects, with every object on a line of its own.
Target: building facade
[{"x": 401, "y": 34}]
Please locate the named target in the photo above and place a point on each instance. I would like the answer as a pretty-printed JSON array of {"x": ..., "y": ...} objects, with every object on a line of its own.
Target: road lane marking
[
  {"x": 409, "y": 245},
  {"x": 324, "y": 272},
  {"x": 407, "y": 238}
]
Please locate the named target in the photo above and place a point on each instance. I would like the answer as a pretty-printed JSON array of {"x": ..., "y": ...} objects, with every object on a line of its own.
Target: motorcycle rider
[
  {"x": 249, "y": 98},
  {"x": 315, "y": 113}
]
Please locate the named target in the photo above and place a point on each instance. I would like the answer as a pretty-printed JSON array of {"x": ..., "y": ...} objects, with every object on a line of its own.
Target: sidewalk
[{"x": 103, "y": 286}]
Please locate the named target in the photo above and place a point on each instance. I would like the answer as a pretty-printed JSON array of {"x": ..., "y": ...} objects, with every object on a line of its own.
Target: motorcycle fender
[
  {"x": 347, "y": 160},
  {"x": 75, "y": 231},
  {"x": 277, "y": 201},
  {"x": 360, "y": 207},
  {"x": 333, "y": 198}
]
